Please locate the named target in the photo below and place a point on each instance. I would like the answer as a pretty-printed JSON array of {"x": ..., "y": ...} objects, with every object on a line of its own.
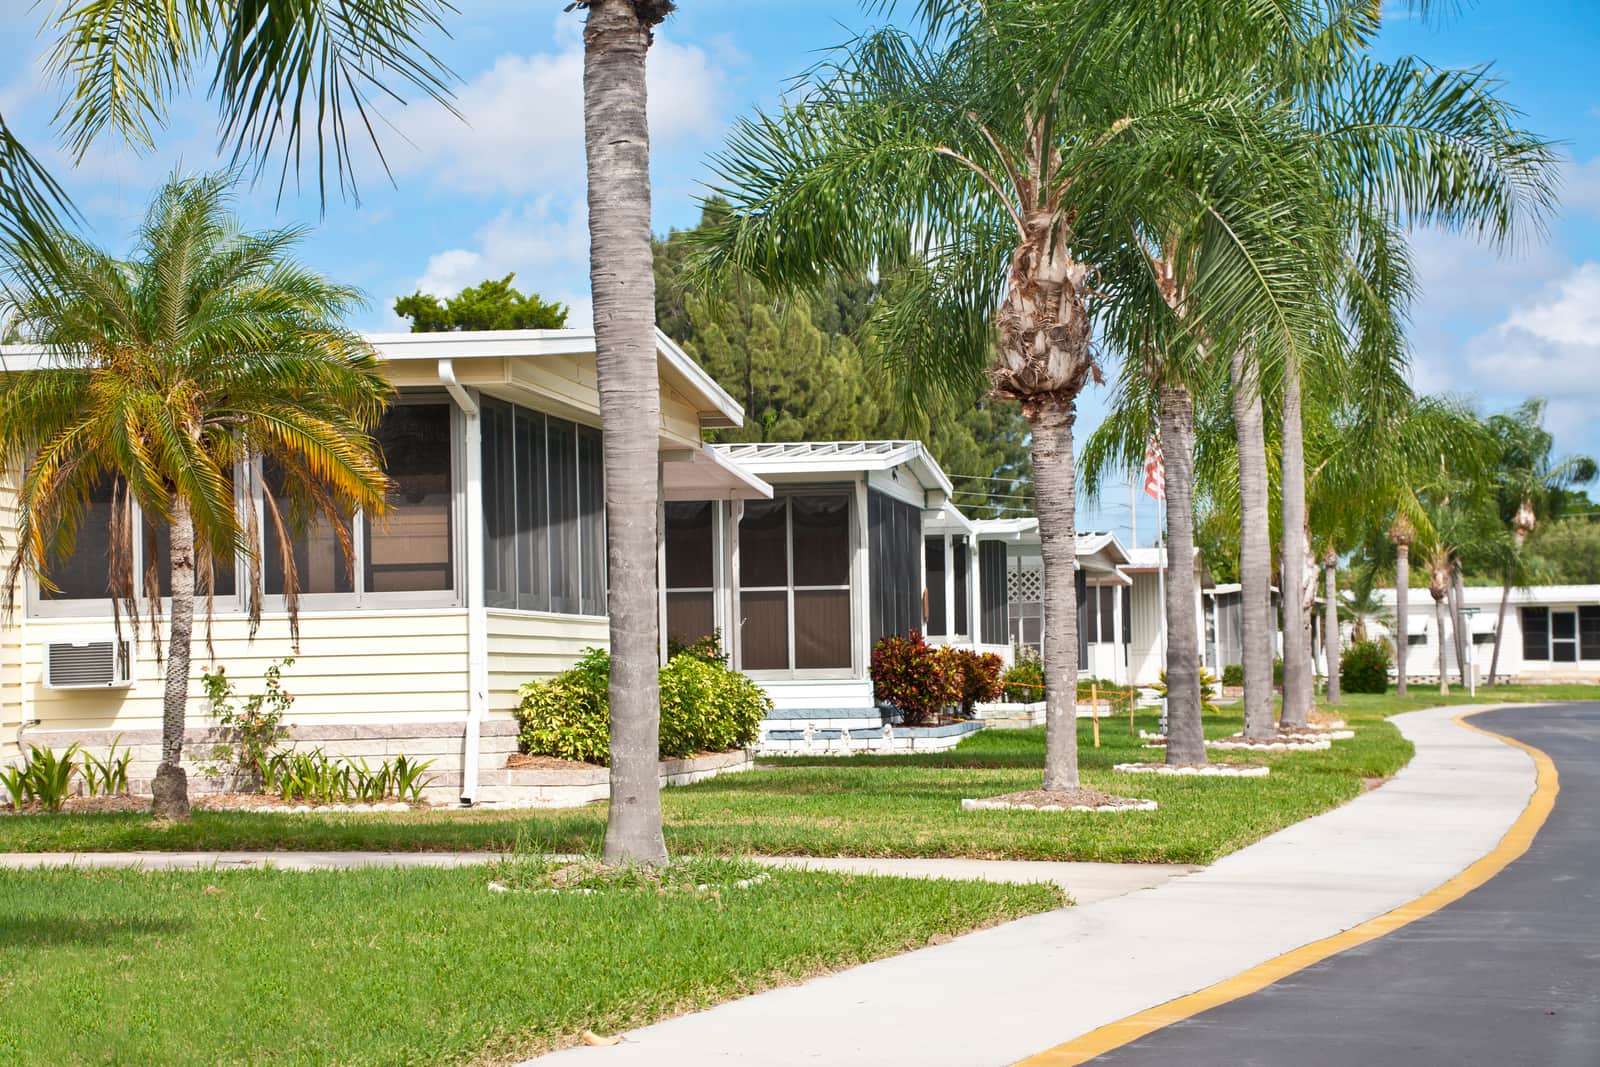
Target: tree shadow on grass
[{"x": 52, "y": 931}]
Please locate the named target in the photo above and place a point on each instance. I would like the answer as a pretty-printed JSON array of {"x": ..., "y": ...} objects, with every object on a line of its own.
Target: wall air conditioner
[{"x": 91, "y": 664}]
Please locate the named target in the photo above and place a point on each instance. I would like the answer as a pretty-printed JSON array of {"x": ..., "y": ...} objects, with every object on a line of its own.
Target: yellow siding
[
  {"x": 524, "y": 646},
  {"x": 352, "y": 667},
  {"x": 11, "y": 630}
]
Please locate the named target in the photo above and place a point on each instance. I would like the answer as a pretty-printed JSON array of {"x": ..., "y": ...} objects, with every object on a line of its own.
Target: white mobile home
[
  {"x": 489, "y": 572},
  {"x": 1552, "y": 634}
]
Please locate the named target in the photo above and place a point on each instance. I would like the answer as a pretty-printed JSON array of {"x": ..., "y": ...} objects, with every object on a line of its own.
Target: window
[
  {"x": 992, "y": 592},
  {"x": 543, "y": 512},
  {"x": 1564, "y": 636},
  {"x": 1089, "y": 613},
  {"x": 794, "y": 584},
  {"x": 1589, "y": 631},
  {"x": 934, "y": 549},
  {"x": 1535, "y": 633},
  {"x": 691, "y": 569},
  {"x": 86, "y": 574},
  {"x": 408, "y": 550},
  {"x": 1108, "y": 615},
  {"x": 894, "y": 530},
  {"x": 960, "y": 561},
  {"x": 315, "y": 548}
]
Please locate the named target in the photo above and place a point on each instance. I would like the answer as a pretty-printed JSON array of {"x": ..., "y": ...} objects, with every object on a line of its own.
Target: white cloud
[
  {"x": 523, "y": 127},
  {"x": 545, "y": 243},
  {"x": 1548, "y": 346},
  {"x": 1580, "y": 189}
]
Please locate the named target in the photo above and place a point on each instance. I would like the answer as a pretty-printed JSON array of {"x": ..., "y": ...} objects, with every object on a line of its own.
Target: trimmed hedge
[
  {"x": 1233, "y": 675},
  {"x": 705, "y": 707},
  {"x": 1364, "y": 667},
  {"x": 1023, "y": 681}
]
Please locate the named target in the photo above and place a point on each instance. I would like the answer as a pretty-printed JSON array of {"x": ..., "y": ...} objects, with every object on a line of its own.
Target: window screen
[
  {"x": 409, "y": 549},
  {"x": 992, "y": 600},
  {"x": 1589, "y": 631},
  {"x": 1535, "y": 633},
  {"x": 960, "y": 561},
  {"x": 934, "y": 547},
  {"x": 1108, "y": 616},
  {"x": 691, "y": 569},
  {"x": 895, "y": 550},
  {"x": 86, "y": 573}
]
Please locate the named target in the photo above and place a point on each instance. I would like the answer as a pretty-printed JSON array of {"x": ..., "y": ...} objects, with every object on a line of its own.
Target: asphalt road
[{"x": 1507, "y": 975}]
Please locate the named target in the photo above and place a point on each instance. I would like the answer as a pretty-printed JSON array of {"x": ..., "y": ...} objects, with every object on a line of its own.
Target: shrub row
[{"x": 705, "y": 707}]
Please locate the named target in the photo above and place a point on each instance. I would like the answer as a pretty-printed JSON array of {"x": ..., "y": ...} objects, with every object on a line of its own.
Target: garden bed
[
  {"x": 1087, "y": 800},
  {"x": 547, "y": 782}
]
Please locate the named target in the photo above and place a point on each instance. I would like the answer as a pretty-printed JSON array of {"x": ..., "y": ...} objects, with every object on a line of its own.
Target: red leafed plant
[
  {"x": 912, "y": 675},
  {"x": 975, "y": 676}
]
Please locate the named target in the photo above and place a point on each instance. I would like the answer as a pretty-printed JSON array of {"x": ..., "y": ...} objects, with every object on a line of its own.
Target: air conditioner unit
[{"x": 91, "y": 664}]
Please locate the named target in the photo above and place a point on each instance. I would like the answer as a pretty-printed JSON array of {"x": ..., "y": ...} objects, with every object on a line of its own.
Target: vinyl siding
[
  {"x": 351, "y": 667},
  {"x": 524, "y": 646},
  {"x": 11, "y": 630}
]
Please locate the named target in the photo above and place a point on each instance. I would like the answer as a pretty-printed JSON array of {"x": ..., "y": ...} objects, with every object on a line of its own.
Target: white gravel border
[
  {"x": 1006, "y": 805},
  {"x": 1210, "y": 770},
  {"x": 1224, "y": 745}
]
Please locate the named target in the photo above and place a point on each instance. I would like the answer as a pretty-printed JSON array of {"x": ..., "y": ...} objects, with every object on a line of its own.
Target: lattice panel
[{"x": 1025, "y": 586}]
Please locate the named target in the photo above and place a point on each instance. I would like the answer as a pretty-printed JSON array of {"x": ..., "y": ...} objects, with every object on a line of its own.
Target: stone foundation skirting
[{"x": 571, "y": 787}]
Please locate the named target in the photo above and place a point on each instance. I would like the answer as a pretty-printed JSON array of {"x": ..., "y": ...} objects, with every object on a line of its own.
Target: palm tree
[
  {"x": 1530, "y": 484},
  {"x": 170, "y": 373},
  {"x": 995, "y": 168},
  {"x": 616, "y": 38},
  {"x": 1402, "y": 534}
]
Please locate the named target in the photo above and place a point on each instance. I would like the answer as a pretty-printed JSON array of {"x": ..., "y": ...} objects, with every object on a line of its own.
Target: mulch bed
[
  {"x": 89, "y": 805},
  {"x": 522, "y": 761}
]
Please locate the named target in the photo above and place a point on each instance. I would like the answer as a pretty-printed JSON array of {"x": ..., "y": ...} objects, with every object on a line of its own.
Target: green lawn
[
  {"x": 864, "y": 805},
  {"x": 418, "y": 966}
]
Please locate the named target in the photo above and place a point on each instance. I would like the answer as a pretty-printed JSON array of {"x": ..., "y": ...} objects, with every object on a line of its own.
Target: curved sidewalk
[{"x": 1000, "y": 995}]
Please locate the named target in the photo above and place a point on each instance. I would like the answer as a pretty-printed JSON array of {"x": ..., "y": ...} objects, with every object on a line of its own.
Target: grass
[
  {"x": 864, "y": 805},
  {"x": 389, "y": 966}
]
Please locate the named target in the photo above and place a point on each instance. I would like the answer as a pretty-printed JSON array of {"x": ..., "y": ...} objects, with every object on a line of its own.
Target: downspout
[{"x": 477, "y": 614}]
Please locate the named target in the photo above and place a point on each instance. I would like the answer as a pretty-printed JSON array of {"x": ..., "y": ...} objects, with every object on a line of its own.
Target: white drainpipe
[{"x": 477, "y": 614}]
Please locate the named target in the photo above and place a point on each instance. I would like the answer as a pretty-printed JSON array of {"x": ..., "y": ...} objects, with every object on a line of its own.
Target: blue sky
[{"x": 504, "y": 191}]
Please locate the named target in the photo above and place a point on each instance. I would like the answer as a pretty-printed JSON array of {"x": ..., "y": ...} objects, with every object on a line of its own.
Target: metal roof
[{"x": 775, "y": 457}]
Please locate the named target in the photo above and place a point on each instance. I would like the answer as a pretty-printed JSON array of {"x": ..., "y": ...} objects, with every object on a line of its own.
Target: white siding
[{"x": 524, "y": 646}]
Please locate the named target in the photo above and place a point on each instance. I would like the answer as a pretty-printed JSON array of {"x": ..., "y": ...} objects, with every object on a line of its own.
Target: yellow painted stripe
[{"x": 1512, "y": 845}]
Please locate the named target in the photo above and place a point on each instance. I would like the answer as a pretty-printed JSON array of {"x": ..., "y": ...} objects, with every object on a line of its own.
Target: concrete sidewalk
[
  {"x": 999, "y": 995},
  {"x": 1083, "y": 882}
]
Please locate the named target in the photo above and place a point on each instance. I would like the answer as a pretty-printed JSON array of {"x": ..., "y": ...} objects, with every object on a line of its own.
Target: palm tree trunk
[
  {"x": 1255, "y": 546},
  {"x": 170, "y": 789},
  {"x": 1402, "y": 608},
  {"x": 1499, "y": 626},
  {"x": 1186, "y": 743},
  {"x": 1458, "y": 637},
  {"x": 1438, "y": 618},
  {"x": 1330, "y": 621},
  {"x": 1298, "y": 672},
  {"x": 1055, "y": 497},
  {"x": 617, "y": 146}
]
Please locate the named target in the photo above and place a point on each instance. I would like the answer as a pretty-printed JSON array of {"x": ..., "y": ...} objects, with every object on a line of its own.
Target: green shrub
[
  {"x": 1277, "y": 671},
  {"x": 975, "y": 676},
  {"x": 909, "y": 674},
  {"x": 569, "y": 716},
  {"x": 1364, "y": 667},
  {"x": 1023, "y": 681},
  {"x": 1208, "y": 683},
  {"x": 706, "y": 706},
  {"x": 1233, "y": 675}
]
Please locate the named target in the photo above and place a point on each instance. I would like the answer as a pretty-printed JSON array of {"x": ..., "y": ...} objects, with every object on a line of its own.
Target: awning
[{"x": 706, "y": 474}]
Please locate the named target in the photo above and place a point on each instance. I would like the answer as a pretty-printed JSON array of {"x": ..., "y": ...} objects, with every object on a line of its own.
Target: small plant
[
  {"x": 50, "y": 775},
  {"x": 18, "y": 786},
  {"x": 108, "y": 775},
  {"x": 253, "y": 730},
  {"x": 1023, "y": 681},
  {"x": 407, "y": 778},
  {"x": 911, "y": 675},
  {"x": 1233, "y": 675},
  {"x": 1277, "y": 671},
  {"x": 1364, "y": 667},
  {"x": 975, "y": 676}
]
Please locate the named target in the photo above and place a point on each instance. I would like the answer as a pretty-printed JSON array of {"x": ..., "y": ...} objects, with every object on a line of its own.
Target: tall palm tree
[
  {"x": 169, "y": 373},
  {"x": 995, "y": 167},
  {"x": 616, "y": 38},
  {"x": 1402, "y": 534},
  {"x": 1530, "y": 485}
]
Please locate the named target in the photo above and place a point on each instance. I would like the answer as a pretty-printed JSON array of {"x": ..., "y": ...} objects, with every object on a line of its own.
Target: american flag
[{"x": 1155, "y": 472}]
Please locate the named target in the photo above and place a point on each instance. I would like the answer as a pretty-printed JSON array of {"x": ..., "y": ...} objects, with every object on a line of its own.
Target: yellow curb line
[{"x": 1515, "y": 842}]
